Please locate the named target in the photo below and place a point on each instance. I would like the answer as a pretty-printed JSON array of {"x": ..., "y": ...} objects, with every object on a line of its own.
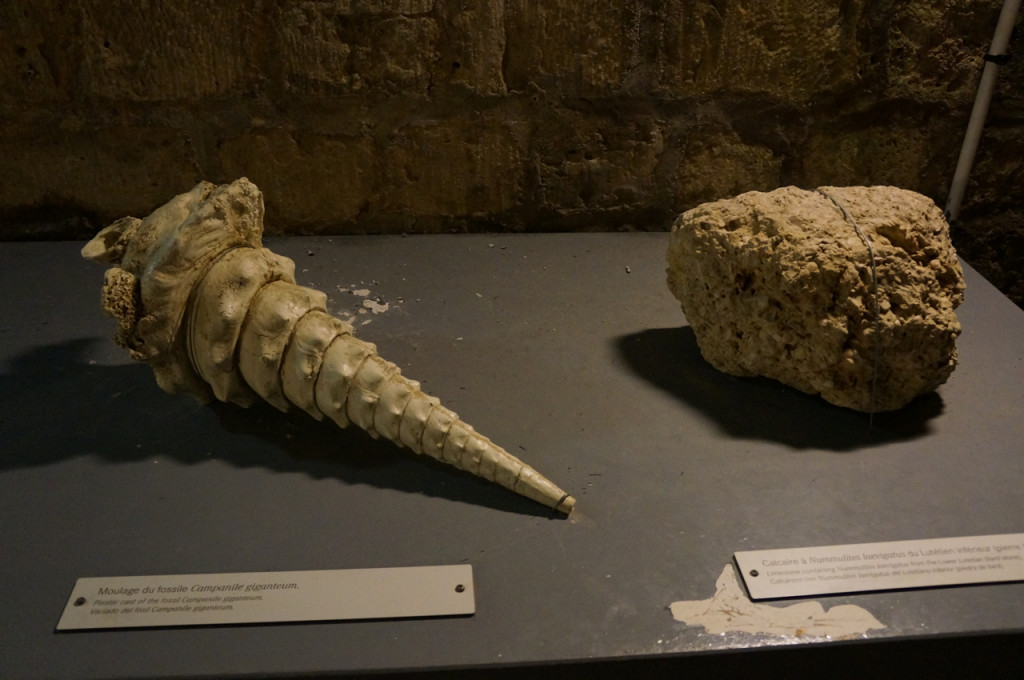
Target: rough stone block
[
  {"x": 586, "y": 163},
  {"x": 60, "y": 168},
  {"x": 716, "y": 164},
  {"x": 474, "y": 55},
  {"x": 308, "y": 180},
  {"x": 33, "y": 69},
  {"x": 582, "y": 47},
  {"x": 934, "y": 49},
  {"x": 457, "y": 167},
  {"x": 886, "y": 153},
  {"x": 167, "y": 51},
  {"x": 682, "y": 48},
  {"x": 787, "y": 50},
  {"x": 337, "y": 49},
  {"x": 784, "y": 285}
]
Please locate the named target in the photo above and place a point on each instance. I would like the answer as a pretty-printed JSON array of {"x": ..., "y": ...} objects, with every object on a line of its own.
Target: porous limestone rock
[{"x": 846, "y": 292}]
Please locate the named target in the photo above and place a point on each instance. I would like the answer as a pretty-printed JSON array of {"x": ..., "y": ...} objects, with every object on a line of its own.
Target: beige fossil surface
[
  {"x": 217, "y": 315},
  {"x": 846, "y": 292}
]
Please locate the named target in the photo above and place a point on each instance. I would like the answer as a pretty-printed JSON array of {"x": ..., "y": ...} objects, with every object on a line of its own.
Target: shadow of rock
[
  {"x": 55, "y": 406},
  {"x": 764, "y": 409}
]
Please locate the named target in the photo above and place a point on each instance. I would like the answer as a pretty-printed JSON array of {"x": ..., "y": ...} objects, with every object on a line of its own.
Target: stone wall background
[{"x": 384, "y": 116}]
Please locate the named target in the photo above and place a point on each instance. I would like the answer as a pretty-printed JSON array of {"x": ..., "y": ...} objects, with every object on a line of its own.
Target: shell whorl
[{"x": 217, "y": 315}]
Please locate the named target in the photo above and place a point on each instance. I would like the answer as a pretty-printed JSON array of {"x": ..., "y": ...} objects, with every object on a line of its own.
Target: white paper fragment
[
  {"x": 376, "y": 307},
  {"x": 731, "y": 611}
]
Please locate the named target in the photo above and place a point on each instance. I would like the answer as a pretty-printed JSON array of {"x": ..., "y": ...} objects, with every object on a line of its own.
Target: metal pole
[{"x": 1004, "y": 27}]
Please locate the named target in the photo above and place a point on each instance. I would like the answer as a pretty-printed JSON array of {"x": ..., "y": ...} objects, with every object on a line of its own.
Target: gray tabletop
[{"x": 569, "y": 351}]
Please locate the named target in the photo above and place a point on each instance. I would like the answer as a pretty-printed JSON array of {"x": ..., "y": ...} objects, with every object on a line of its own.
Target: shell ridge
[
  {"x": 414, "y": 420},
  {"x": 365, "y": 390},
  {"x": 304, "y": 357},
  {"x": 270, "y": 324},
  {"x": 334, "y": 381},
  {"x": 435, "y": 434},
  {"x": 395, "y": 396},
  {"x": 454, "y": 448},
  {"x": 243, "y": 331},
  {"x": 192, "y": 309},
  {"x": 288, "y": 345},
  {"x": 320, "y": 368},
  {"x": 319, "y": 388},
  {"x": 220, "y": 314}
]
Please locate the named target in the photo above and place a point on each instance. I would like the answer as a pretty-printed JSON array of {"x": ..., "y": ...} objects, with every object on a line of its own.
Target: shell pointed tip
[{"x": 566, "y": 504}]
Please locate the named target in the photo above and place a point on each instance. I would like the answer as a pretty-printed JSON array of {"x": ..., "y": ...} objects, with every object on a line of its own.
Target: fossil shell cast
[{"x": 216, "y": 315}]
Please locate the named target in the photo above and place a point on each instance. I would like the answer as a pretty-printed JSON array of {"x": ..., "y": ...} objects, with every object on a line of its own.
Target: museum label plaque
[
  {"x": 269, "y": 597},
  {"x": 895, "y": 565}
]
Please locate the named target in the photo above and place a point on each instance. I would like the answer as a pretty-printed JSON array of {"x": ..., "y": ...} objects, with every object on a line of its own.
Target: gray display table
[{"x": 569, "y": 351}]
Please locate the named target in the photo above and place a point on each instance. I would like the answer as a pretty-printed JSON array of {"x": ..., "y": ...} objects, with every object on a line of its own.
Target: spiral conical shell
[{"x": 216, "y": 315}]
